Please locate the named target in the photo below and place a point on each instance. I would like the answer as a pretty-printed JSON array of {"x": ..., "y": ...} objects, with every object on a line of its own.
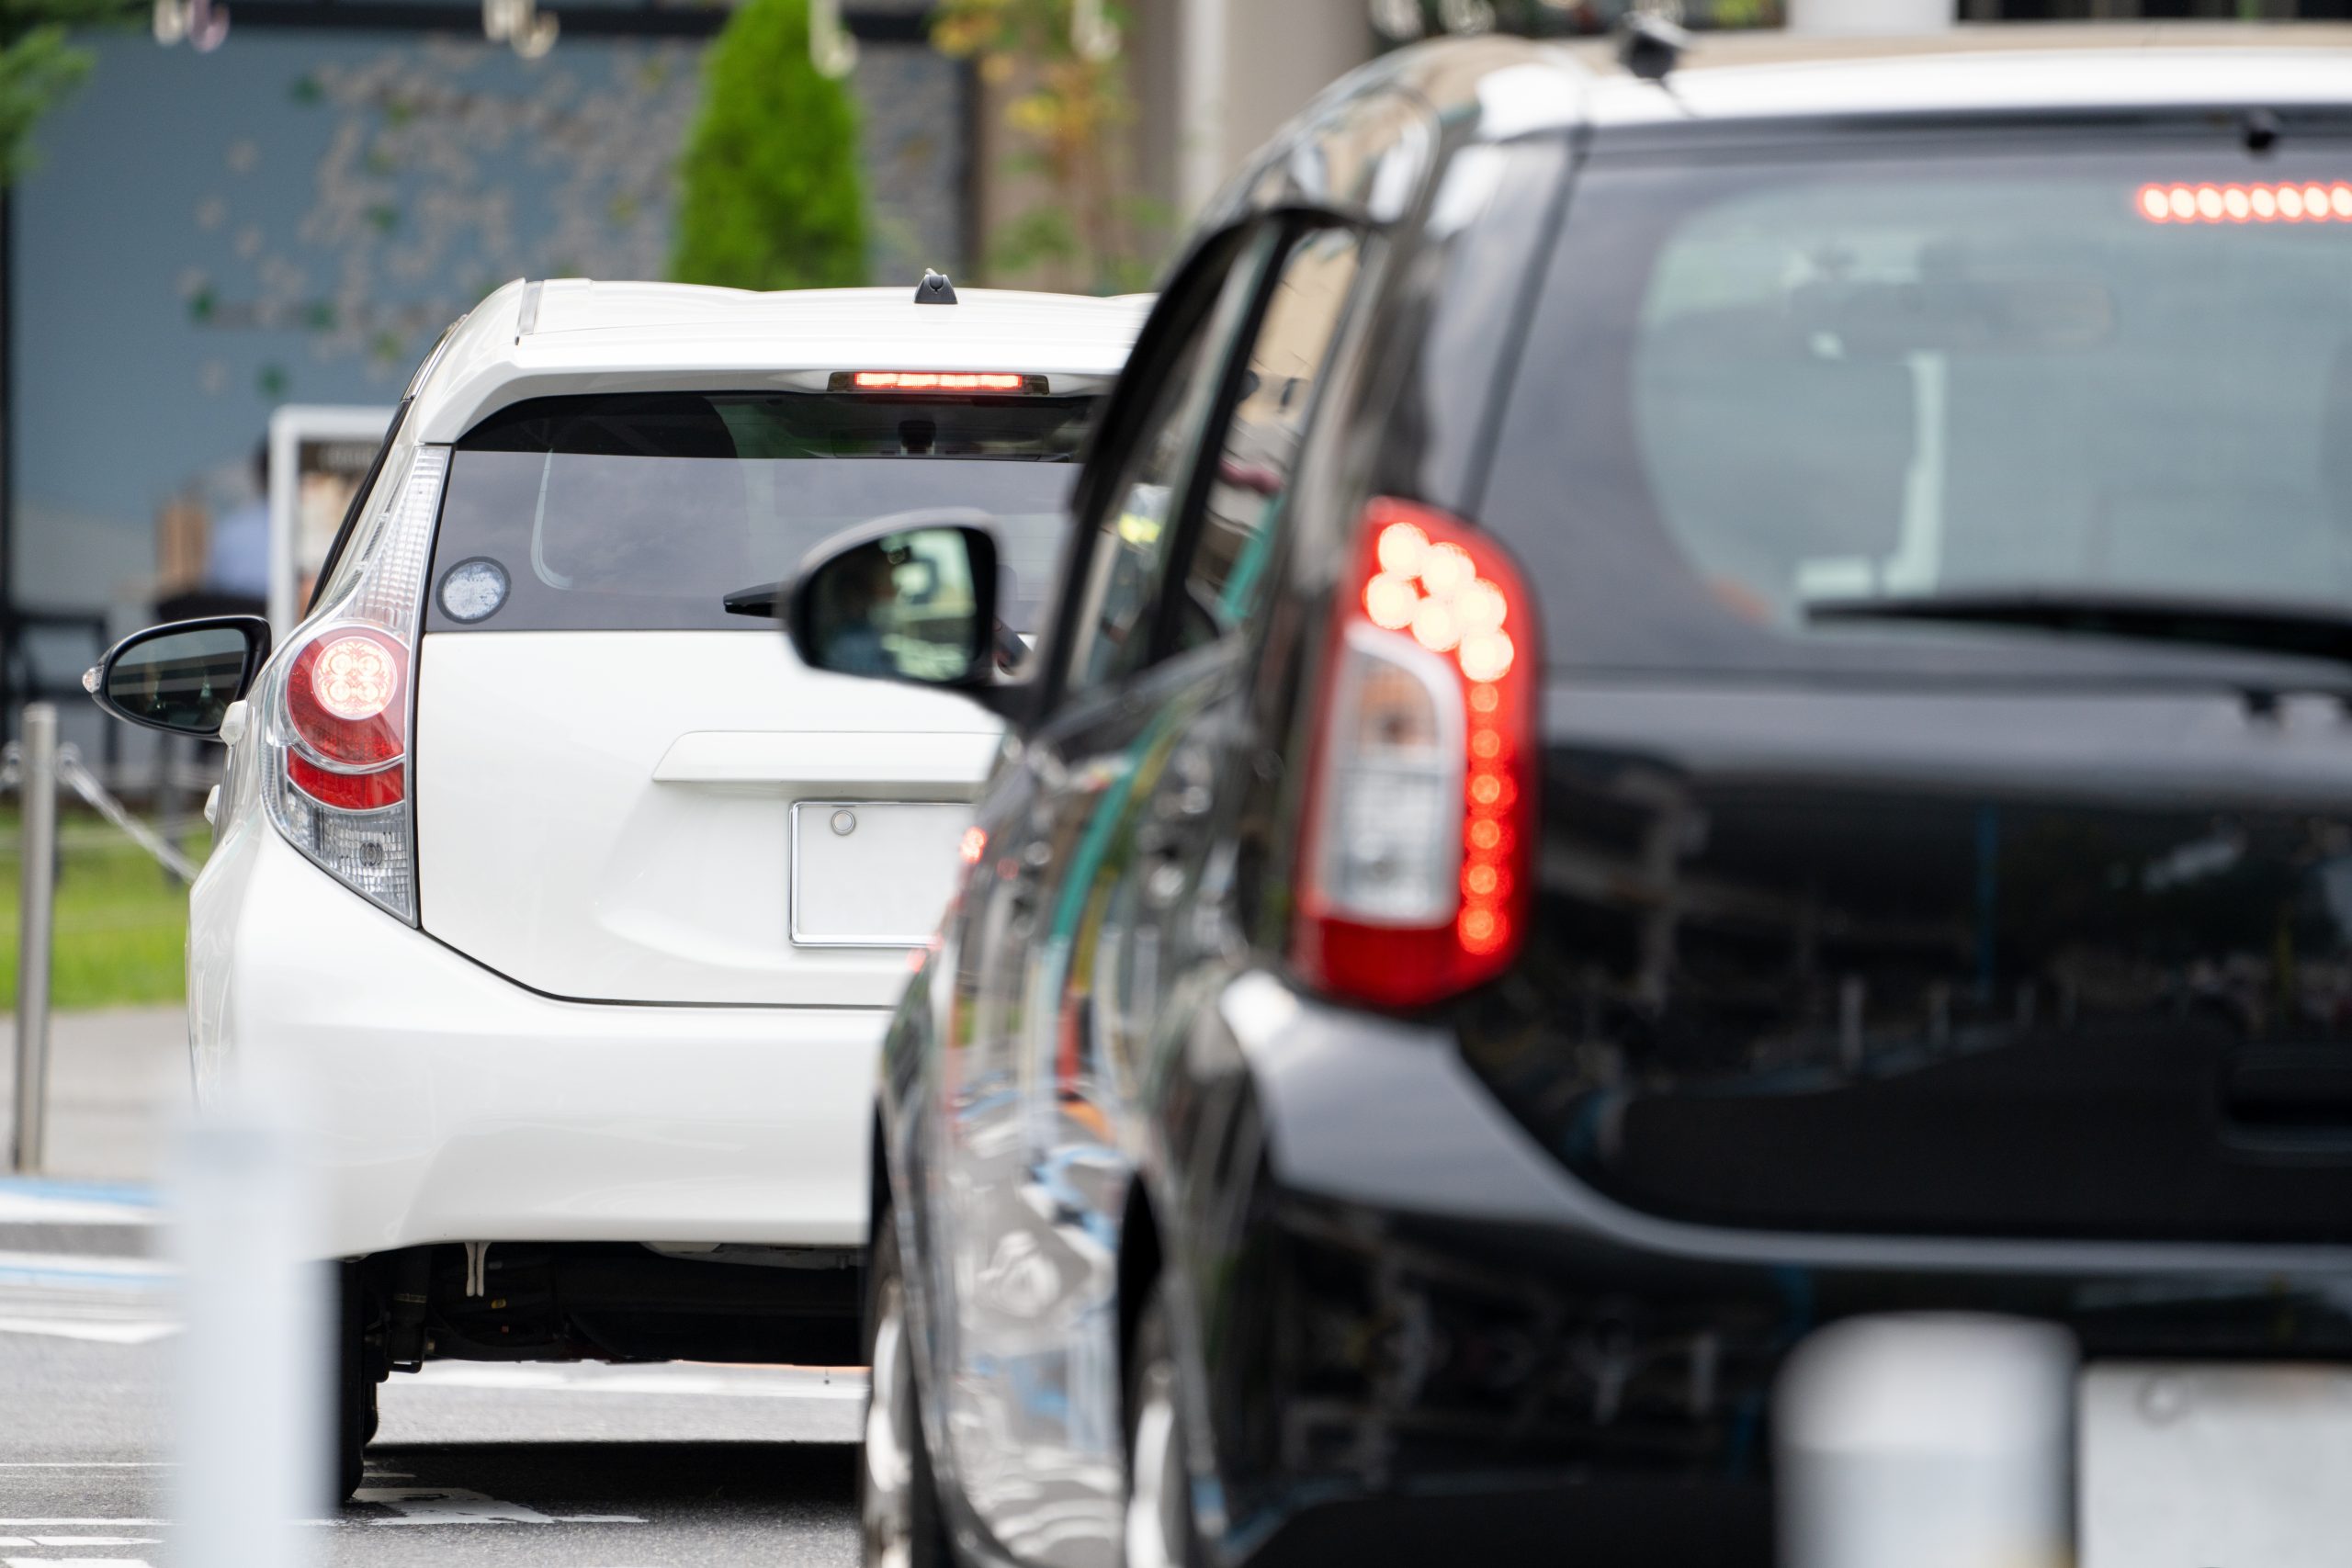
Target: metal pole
[{"x": 36, "y": 911}]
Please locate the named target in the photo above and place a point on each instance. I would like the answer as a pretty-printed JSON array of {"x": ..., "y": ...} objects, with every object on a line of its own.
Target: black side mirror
[
  {"x": 181, "y": 678},
  {"x": 906, "y": 598}
]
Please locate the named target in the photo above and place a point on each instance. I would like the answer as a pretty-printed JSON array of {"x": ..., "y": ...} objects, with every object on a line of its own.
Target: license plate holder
[{"x": 873, "y": 873}]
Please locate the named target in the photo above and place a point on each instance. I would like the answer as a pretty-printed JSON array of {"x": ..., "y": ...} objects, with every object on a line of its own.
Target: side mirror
[
  {"x": 905, "y": 598},
  {"x": 181, "y": 678}
]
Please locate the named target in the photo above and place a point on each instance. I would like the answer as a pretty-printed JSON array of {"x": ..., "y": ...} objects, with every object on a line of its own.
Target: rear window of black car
[
  {"x": 1758, "y": 386},
  {"x": 642, "y": 512}
]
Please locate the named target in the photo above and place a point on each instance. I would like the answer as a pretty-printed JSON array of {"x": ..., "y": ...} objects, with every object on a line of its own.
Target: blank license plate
[
  {"x": 2207, "y": 1466},
  {"x": 872, "y": 874}
]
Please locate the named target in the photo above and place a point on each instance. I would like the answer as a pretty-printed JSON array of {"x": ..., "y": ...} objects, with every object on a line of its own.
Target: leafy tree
[
  {"x": 38, "y": 65},
  {"x": 771, "y": 195},
  {"x": 1072, "y": 112}
]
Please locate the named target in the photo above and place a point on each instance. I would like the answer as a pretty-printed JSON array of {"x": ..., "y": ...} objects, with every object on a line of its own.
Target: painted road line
[
  {"x": 80, "y": 1540},
  {"x": 74, "y": 1269},
  {"x": 76, "y": 1203},
  {"x": 83, "y": 1524},
  {"x": 456, "y": 1506},
  {"x": 88, "y": 1331},
  {"x": 697, "y": 1380},
  {"x": 75, "y": 1562}
]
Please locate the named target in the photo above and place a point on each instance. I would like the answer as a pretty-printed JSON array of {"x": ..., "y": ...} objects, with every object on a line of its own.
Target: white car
[{"x": 565, "y": 901}]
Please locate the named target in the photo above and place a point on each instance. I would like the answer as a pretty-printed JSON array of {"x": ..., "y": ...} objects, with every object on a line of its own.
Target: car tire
[
  {"x": 897, "y": 1494},
  {"x": 1159, "y": 1532},
  {"x": 354, "y": 1387}
]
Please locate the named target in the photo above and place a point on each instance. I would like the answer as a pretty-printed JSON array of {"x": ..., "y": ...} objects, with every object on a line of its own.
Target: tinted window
[
  {"x": 1251, "y": 483},
  {"x": 1126, "y": 568},
  {"x": 643, "y": 513},
  {"x": 1752, "y": 388}
]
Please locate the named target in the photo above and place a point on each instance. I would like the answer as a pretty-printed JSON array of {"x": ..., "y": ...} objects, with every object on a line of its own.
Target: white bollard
[
  {"x": 1926, "y": 1443},
  {"x": 1863, "y": 17},
  {"x": 251, "y": 1395}
]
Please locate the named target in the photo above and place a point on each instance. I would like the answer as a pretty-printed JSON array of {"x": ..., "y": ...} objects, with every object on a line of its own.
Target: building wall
[
  {"x": 1216, "y": 78},
  {"x": 295, "y": 217}
]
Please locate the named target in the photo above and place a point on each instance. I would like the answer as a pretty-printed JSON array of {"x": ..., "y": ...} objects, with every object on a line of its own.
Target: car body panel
[
  {"x": 586, "y": 337},
  {"x": 640, "y": 849},
  {"x": 606, "y": 816},
  {"x": 1983, "y": 71},
  {"x": 442, "y": 1102},
  {"x": 1407, "y": 1329}
]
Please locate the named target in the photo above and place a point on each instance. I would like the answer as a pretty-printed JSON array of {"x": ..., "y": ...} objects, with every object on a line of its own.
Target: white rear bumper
[{"x": 448, "y": 1104}]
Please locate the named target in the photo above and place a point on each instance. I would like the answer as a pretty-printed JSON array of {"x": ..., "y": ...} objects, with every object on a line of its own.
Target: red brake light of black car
[
  {"x": 1415, "y": 869},
  {"x": 2296, "y": 202}
]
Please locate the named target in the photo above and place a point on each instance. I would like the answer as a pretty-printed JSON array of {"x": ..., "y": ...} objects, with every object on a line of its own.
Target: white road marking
[
  {"x": 85, "y": 1268},
  {"x": 75, "y": 1562},
  {"x": 89, "y": 1464},
  {"x": 83, "y": 1540},
  {"x": 32, "y": 1204},
  {"x": 74, "y": 1524},
  {"x": 456, "y": 1506},
  {"x": 98, "y": 1333},
  {"x": 109, "y": 1301},
  {"x": 734, "y": 1382}
]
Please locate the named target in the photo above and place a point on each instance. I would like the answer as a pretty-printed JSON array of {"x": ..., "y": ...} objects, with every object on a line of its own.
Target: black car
[{"x": 1682, "y": 711}]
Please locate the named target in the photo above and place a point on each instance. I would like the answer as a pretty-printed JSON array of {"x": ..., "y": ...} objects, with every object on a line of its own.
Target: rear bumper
[
  {"x": 445, "y": 1103},
  {"x": 1411, "y": 1326}
]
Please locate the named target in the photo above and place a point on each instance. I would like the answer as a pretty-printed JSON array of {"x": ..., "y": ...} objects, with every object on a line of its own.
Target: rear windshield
[
  {"x": 1757, "y": 387},
  {"x": 643, "y": 513}
]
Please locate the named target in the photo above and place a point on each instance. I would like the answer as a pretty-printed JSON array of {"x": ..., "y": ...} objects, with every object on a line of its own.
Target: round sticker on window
[{"x": 473, "y": 589}]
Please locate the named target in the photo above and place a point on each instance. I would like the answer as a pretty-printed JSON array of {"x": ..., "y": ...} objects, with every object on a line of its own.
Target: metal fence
[{"x": 34, "y": 767}]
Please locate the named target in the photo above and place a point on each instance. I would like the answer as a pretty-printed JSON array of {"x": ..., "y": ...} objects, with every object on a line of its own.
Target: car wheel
[
  {"x": 1160, "y": 1508},
  {"x": 355, "y": 1388},
  {"x": 898, "y": 1497}
]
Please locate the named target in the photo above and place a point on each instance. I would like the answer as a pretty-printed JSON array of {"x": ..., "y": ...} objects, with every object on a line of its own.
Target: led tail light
[
  {"x": 2302, "y": 201},
  {"x": 939, "y": 381},
  {"x": 1416, "y": 868},
  {"x": 338, "y": 704}
]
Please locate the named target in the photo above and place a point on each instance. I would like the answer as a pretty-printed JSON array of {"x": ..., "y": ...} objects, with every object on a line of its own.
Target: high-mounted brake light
[
  {"x": 937, "y": 381},
  {"x": 1417, "y": 865},
  {"x": 2299, "y": 202}
]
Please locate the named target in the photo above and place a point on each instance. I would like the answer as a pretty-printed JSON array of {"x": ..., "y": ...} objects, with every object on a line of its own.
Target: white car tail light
[
  {"x": 1415, "y": 869},
  {"x": 337, "y": 709}
]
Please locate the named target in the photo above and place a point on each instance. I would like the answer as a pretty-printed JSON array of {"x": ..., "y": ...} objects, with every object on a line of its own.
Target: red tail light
[
  {"x": 349, "y": 792},
  {"x": 1416, "y": 870},
  {"x": 335, "y": 705},
  {"x": 346, "y": 696}
]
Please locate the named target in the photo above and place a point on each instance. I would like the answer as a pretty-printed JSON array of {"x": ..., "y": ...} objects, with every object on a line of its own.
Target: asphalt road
[{"x": 591, "y": 1467}]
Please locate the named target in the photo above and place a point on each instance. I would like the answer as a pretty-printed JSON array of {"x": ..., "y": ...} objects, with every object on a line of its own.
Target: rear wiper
[{"x": 2313, "y": 631}]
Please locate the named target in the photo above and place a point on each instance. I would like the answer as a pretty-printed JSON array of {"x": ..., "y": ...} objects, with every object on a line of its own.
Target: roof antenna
[
  {"x": 1652, "y": 45},
  {"x": 934, "y": 289}
]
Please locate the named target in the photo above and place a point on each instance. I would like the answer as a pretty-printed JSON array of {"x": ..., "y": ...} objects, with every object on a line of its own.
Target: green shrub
[{"x": 771, "y": 195}]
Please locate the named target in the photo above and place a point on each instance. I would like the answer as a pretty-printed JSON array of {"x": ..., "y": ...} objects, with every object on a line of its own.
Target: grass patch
[{"x": 122, "y": 932}]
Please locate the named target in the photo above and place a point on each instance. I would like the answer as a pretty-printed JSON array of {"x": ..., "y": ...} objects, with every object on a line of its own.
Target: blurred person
[{"x": 236, "y": 559}]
